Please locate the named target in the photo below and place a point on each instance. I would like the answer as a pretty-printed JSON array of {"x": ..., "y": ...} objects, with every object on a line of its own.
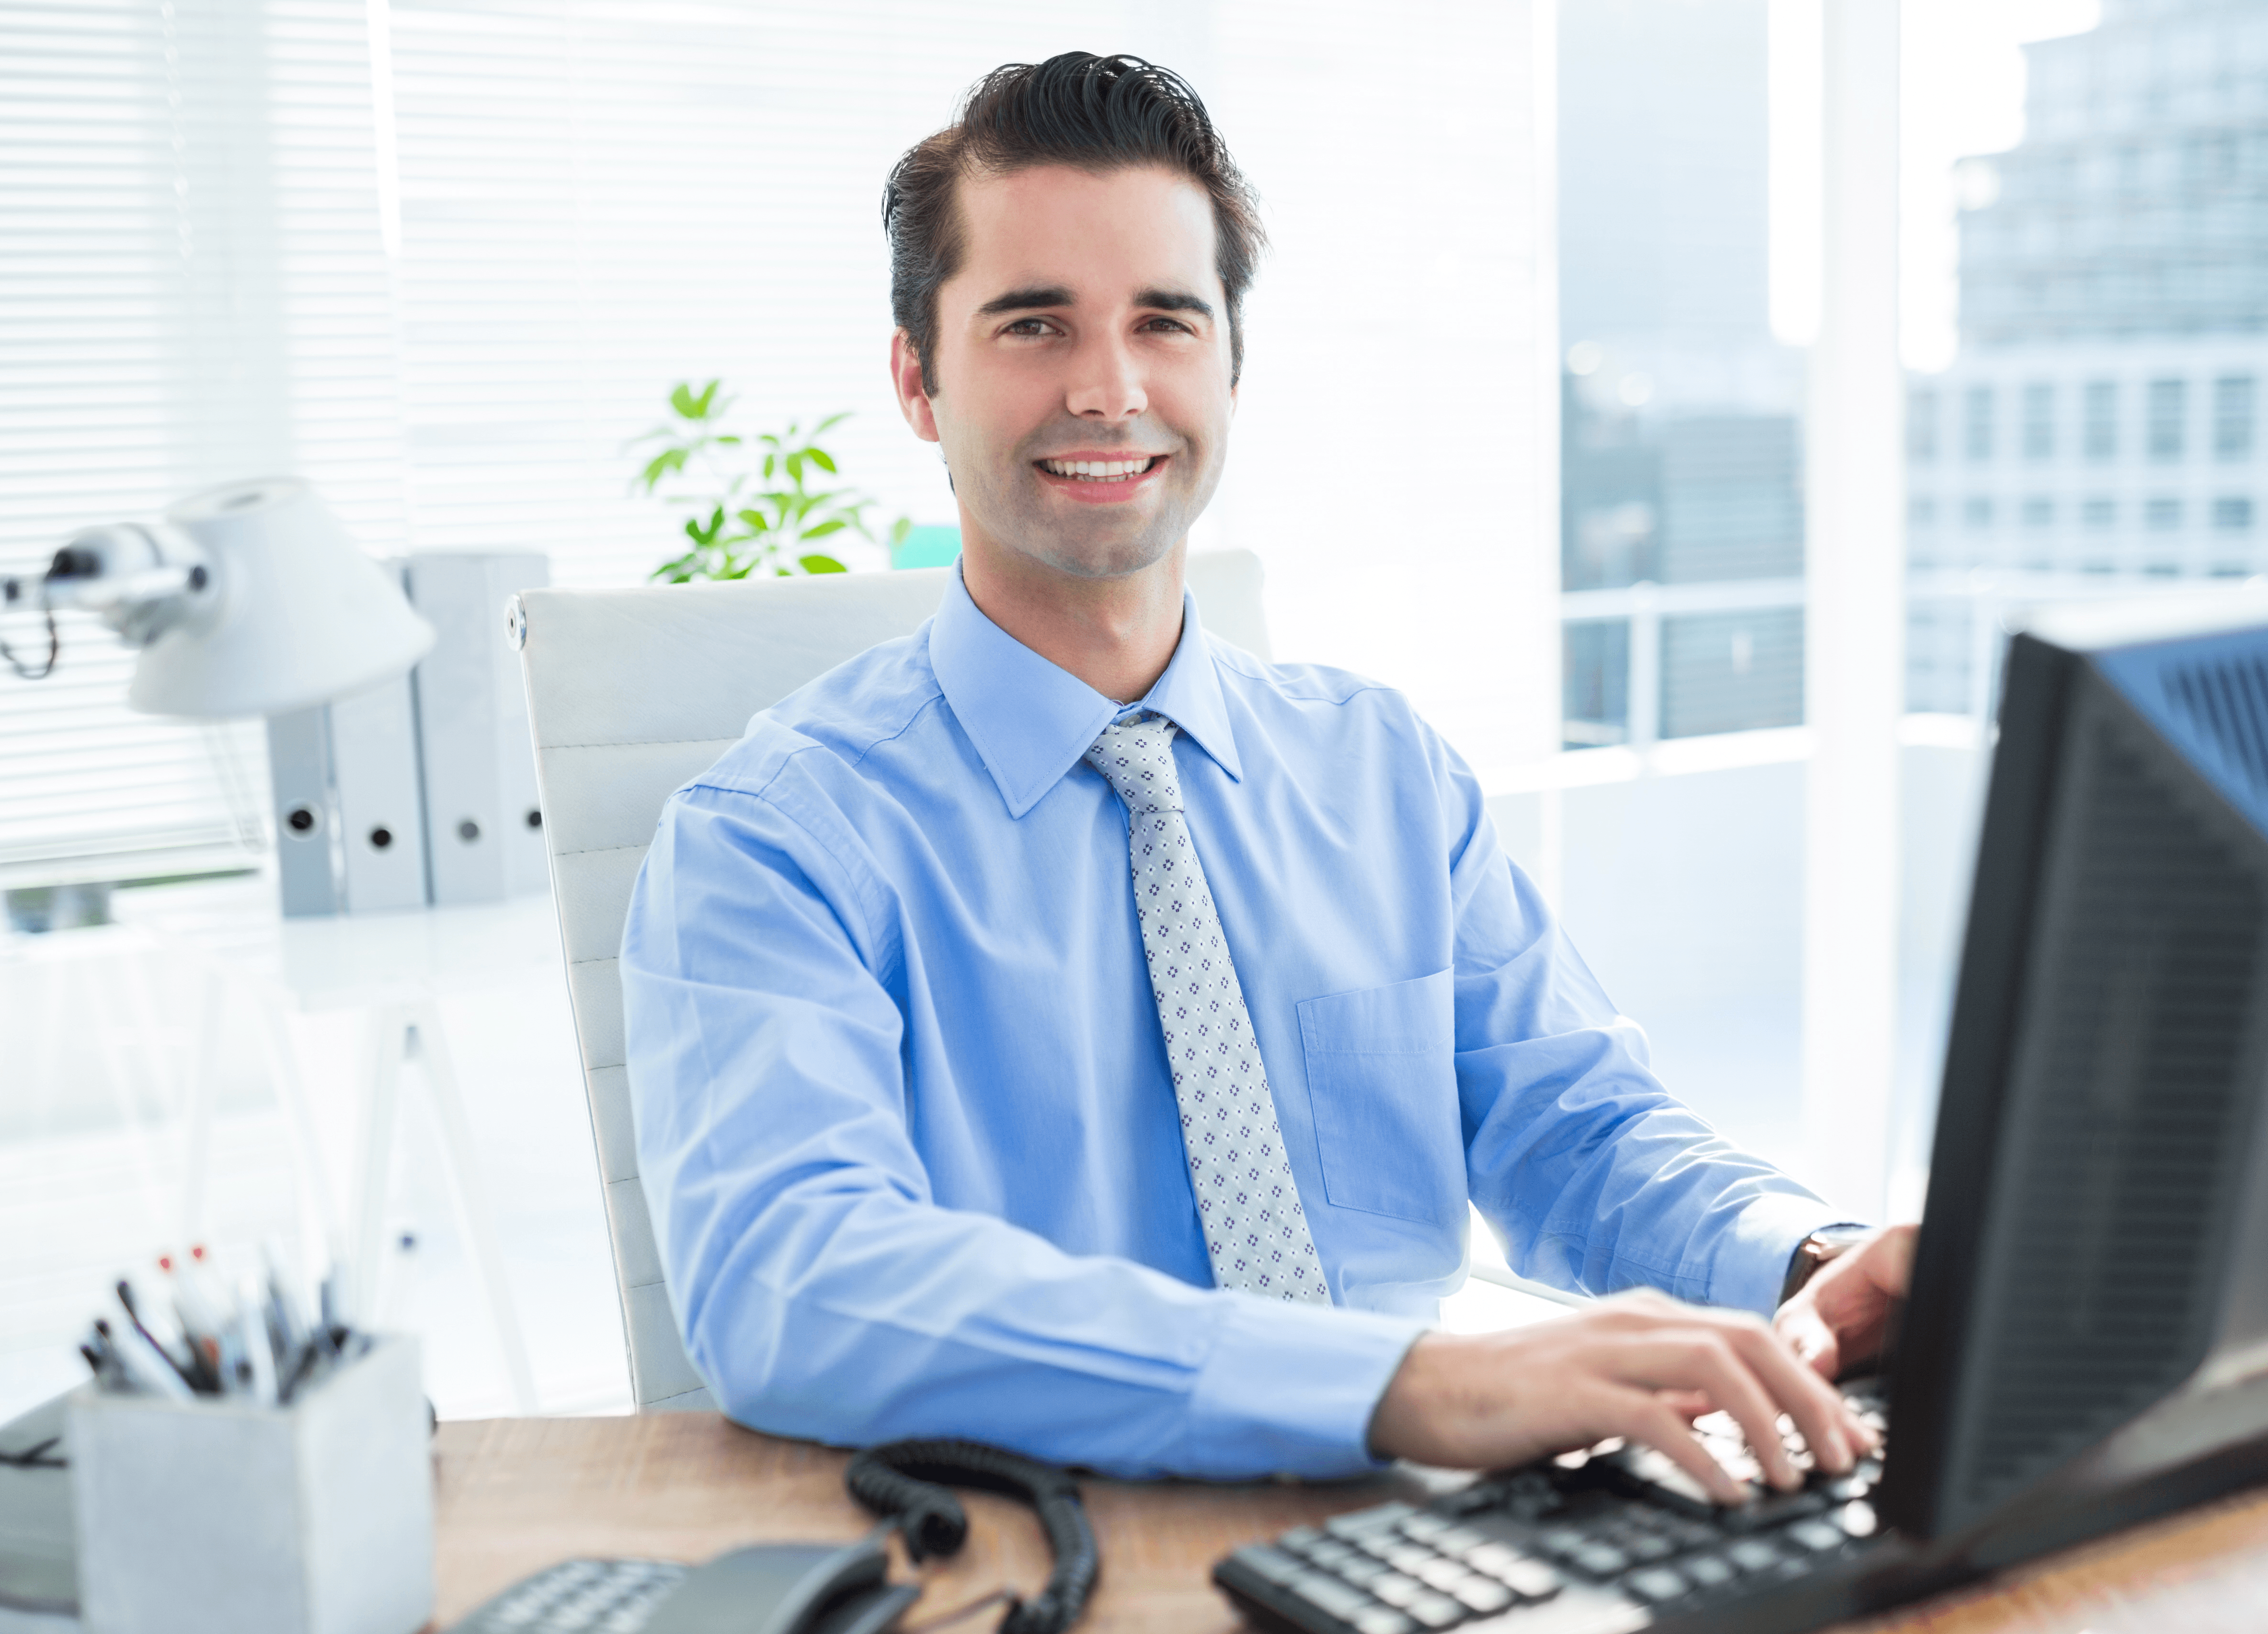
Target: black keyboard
[{"x": 1613, "y": 1539}]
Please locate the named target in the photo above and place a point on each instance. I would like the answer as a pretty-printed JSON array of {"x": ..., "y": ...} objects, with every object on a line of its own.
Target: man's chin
[{"x": 1092, "y": 557}]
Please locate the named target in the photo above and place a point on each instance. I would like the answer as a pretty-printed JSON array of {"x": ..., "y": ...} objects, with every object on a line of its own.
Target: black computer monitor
[{"x": 2086, "y": 1342}]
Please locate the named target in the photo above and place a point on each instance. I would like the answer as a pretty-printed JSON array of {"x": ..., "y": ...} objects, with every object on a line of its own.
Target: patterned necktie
[{"x": 1255, "y": 1230}]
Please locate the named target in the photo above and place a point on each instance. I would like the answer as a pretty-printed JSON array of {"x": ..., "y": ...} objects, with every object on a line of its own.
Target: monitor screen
[{"x": 2089, "y": 1308}]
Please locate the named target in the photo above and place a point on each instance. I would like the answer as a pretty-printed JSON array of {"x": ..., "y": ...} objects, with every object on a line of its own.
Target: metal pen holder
[{"x": 219, "y": 1515}]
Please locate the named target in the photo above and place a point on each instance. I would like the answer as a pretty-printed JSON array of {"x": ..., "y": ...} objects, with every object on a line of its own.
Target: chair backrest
[{"x": 633, "y": 693}]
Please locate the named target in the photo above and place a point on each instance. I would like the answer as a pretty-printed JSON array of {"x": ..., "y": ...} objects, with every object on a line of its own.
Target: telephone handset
[{"x": 820, "y": 1588}]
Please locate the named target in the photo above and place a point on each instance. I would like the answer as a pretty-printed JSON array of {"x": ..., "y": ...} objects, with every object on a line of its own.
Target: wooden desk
[{"x": 518, "y": 1494}]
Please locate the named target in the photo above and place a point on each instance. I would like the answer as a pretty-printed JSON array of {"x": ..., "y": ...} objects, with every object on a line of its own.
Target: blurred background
[{"x": 1550, "y": 284}]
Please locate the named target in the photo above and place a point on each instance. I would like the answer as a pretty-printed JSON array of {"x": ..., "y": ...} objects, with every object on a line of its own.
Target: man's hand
[
  {"x": 1640, "y": 1364},
  {"x": 1839, "y": 1318}
]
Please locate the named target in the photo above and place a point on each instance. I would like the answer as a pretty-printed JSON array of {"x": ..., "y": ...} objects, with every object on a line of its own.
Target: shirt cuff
[
  {"x": 1752, "y": 1262},
  {"x": 1289, "y": 1389}
]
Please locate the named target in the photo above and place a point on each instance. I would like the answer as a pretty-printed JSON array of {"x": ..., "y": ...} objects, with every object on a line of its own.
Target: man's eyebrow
[
  {"x": 1173, "y": 300},
  {"x": 1024, "y": 300}
]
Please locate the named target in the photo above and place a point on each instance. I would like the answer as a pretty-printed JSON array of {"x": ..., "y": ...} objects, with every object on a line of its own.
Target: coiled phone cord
[{"x": 897, "y": 1482}]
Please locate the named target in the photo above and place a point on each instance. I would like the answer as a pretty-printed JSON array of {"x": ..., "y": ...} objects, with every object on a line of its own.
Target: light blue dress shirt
[{"x": 904, "y": 1113}]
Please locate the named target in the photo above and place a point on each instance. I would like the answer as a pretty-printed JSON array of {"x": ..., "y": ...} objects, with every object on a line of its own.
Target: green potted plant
[{"x": 755, "y": 511}]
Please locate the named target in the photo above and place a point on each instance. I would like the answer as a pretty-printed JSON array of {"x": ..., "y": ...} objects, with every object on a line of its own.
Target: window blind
[{"x": 444, "y": 257}]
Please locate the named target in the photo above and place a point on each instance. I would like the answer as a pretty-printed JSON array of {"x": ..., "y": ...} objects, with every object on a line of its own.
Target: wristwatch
[{"x": 1815, "y": 1251}]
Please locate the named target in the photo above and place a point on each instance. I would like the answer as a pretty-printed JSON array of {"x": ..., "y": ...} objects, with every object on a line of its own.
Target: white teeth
[{"x": 1100, "y": 470}]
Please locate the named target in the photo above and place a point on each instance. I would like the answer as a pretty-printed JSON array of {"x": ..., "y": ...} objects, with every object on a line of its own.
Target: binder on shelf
[
  {"x": 484, "y": 824},
  {"x": 349, "y": 817}
]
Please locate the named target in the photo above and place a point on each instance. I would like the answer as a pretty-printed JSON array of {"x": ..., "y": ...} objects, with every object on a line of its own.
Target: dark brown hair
[{"x": 1097, "y": 112}]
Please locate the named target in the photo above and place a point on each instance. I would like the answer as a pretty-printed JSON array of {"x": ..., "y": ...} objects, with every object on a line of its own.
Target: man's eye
[
  {"x": 1168, "y": 324},
  {"x": 1029, "y": 327}
]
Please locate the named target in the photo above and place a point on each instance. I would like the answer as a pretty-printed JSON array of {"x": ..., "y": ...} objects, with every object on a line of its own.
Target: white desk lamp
[{"x": 248, "y": 600}]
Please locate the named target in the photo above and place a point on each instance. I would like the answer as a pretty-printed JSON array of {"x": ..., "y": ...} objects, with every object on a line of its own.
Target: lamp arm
[{"x": 140, "y": 580}]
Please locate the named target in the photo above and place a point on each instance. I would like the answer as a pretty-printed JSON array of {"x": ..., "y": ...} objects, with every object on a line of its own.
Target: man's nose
[{"x": 1106, "y": 382}]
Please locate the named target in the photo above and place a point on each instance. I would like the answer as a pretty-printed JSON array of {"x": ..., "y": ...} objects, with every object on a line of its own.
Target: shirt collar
[{"x": 1031, "y": 721}]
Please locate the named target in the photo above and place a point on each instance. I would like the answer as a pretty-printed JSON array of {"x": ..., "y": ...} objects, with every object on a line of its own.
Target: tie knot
[{"x": 1138, "y": 760}]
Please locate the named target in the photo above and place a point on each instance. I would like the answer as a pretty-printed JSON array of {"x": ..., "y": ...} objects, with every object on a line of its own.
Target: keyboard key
[
  {"x": 1493, "y": 1558},
  {"x": 1530, "y": 1579},
  {"x": 1707, "y": 1571},
  {"x": 1395, "y": 1589},
  {"x": 1365, "y": 1521},
  {"x": 1424, "y": 1528},
  {"x": 1329, "y": 1593},
  {"x": 1362, "y": 1571},
  {"x": 1857, "y": 1518},
  {"x": 1815, "y": 1535},
  {"x": 1269, "y": 1565},
  {"x": 1297, "y": 1539},
  {"x": 1379, "y": 1620},
  {"x": 1650, "y": 1548},
  {"x": 1754, "y": 1553},
  {"x": 1600, "y": 1560},
  {"x": 1436, "y": 1611},
  {"x": 1410, "y": 1558},
  {"x": 1562, "y": 1542},
  {"x": 1483, "y": 1595},
  {"x": 1457, "y": 1540},
  {"x": 1332, "y": 1555},
  {"x": 1442, "y": 1574},
  {"x": 1655, "y": 1584}
]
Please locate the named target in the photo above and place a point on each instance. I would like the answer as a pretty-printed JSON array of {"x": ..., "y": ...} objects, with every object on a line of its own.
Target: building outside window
[
  {"x": 2039, "y": 513},
  {"x": 1921, "y": 428},
  {"x": 2232, "y": 417},
  {"x": 2039, "y": 422},
  {"x": 2162, "y": 515},
  {"x": 2232, "y": 515},
  {"x": 2169, "y": 409},
  {"x": 1976, "y": 512},
  {"x": 2099, "y": 514},
  {"x": 2102, "y": 421},
  {"x": 1978, "y": 440}
]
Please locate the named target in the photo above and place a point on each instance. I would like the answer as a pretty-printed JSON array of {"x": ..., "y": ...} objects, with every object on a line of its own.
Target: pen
[
  {"x": 194, "y": 1375},
  {"x": 147, "y": 1365}
]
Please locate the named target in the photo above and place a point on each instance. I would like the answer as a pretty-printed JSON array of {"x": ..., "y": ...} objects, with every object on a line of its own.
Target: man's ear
[{"x": 906, "y": 376}]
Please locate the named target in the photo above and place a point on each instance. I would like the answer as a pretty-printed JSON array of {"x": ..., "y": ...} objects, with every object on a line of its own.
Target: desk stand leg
[
  {"x": 127, "y": 1094},
  {"x": 197, "y": 1114},
  {"x": 388, "y": 1026},
  {"x": 319, "y": 1216},
  {"x": 468, "y": 1190}
]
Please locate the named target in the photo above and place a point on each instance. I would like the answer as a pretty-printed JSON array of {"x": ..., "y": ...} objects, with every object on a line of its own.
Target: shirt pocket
[{"x": 1382, "y": 1088}]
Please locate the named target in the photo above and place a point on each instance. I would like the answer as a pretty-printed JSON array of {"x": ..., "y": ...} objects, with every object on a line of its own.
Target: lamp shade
[{"x": 301, "y": 615}]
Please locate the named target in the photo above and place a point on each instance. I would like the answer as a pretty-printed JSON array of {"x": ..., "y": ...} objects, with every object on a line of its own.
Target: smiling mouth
[{"x": 1100, "y": 470}]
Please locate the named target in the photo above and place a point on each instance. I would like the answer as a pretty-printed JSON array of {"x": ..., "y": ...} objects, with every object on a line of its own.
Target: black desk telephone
[{"x": 820, "y": 1588}]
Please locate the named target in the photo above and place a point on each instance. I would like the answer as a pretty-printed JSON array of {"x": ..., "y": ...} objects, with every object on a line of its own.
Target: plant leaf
[
  {"x": 680, "y": 398},
  {"x": 823, "y": 529},
  {"x": 820, "y": 564},
  {"x": 832, "y": 420},
  {"x": 824, "y": 460},
  {"x": 900, "y": 529}
]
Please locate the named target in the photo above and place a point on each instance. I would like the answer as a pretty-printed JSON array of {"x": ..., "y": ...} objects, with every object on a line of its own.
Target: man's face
[{"x": 1086, "y": 327}]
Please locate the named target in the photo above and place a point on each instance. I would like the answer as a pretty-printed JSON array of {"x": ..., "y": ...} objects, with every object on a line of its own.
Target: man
[{"x": 1062, "y": 1028}]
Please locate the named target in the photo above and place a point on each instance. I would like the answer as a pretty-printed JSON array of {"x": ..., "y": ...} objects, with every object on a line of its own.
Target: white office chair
[{"x": 632, "y": 692}]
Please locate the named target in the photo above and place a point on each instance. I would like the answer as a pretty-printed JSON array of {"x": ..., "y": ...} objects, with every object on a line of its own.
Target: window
[
  {"x": 2168, "y": 408},
  {"x": 2039, "y": 513},
  {"x": 2232, "y": 515},
  {"x": 2102, "y": 431},
  {"x": 1921, "y": 511},
  {"x": 1921, "y": 428},
  {"x": 2163, "y": 516},
  {"x": 2099, "y": 514},
  {"x": 1978, "y": 440},
  {"x": 1976, "y": 512},
  {"x": 2232, "y": 417},
  {"x": 2039, "y": 422}
]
